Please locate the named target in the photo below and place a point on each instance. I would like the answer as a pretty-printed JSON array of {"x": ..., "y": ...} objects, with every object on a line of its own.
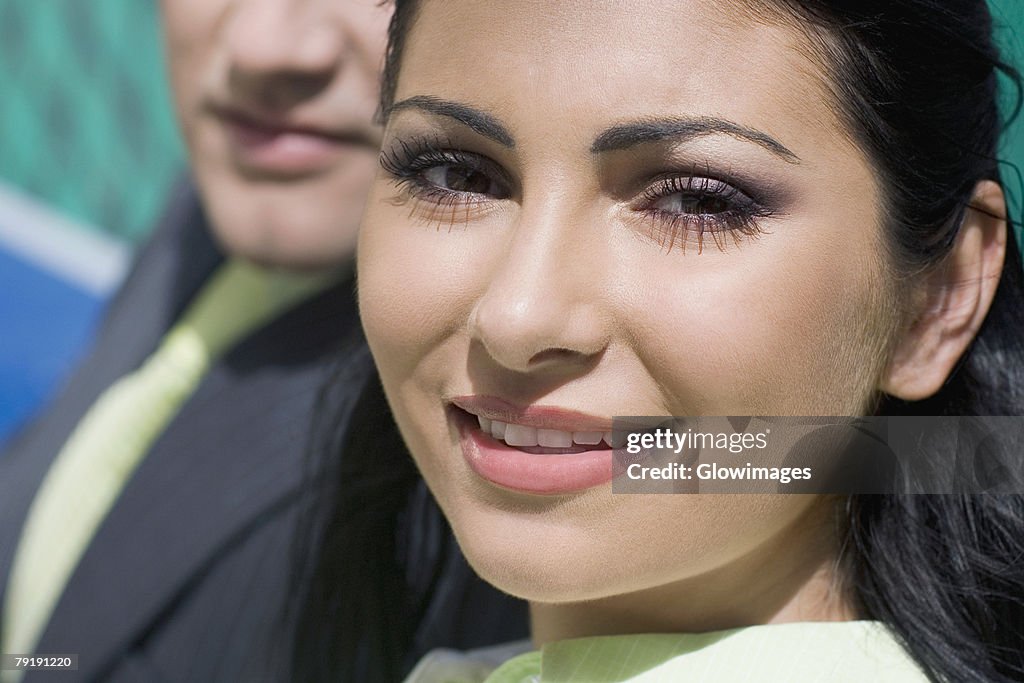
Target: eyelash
[
  {"x": 407, "y": 161},
  {"x": 739, "y": 214}
]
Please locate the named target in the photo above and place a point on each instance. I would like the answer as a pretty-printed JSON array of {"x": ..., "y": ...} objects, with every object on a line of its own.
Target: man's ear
[{"x": 955, "y": 298}]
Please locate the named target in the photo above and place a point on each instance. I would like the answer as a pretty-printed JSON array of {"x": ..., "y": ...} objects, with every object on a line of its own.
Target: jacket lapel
[
  {"x": 232, "y": 455},
  {"x": 163, "y": 278}
]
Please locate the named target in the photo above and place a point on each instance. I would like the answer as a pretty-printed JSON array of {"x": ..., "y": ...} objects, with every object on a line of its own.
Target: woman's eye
[
  {"x": 457, "y": 178},
  {"x": 431, "y": 171},
  {"x": 681, "y": 202},
  {"x": 695, "y": 197},
  {"x": 683, "y": 209}
]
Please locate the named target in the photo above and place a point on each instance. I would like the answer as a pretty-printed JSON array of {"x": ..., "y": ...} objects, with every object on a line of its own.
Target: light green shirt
[{"x": 826, "y": 652}]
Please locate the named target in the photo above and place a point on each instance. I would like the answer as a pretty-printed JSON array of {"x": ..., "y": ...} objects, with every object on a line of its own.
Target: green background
[
  {"x": 86, "y": 124},
  {"x": 85, "y": 117},
  {"x": 1009, "y": 19}
]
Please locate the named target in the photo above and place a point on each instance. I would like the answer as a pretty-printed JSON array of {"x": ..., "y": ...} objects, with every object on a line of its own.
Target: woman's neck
[{"x": 791, "y": 577}]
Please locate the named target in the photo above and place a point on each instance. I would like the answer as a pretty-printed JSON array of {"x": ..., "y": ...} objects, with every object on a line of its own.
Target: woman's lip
[
  {"x": 518, "y": 470},
  {"x": 537, "y": 416}
]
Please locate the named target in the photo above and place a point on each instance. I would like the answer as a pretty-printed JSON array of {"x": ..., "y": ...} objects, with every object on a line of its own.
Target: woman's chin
[
  {"x": 528, "y": 581},
  {"x": 545, "y": 572}
]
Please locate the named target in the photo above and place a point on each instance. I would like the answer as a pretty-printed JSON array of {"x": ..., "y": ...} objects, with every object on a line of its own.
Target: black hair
[
  {"x": 916, "y": 83},
  {"x": 378, "y": 580},
  {"x": 355, "y": 612}
]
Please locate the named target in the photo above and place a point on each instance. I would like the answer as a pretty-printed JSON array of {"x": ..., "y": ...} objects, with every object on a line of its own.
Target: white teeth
[
  {"x": 587, "y": 438},
  {"x": 518, "y": 435},
  {"x": 521, "y": 436},
  {"x": 608, "y": 438},
  {"x": 554, "y": 438}
]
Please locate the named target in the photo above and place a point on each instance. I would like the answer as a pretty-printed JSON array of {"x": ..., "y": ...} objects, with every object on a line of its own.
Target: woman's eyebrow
[
  {"x": 472, "y": 118},
  {"x": 624, "y": 135}
]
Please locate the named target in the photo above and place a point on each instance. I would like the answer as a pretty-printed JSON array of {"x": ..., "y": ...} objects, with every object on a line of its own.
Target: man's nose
[{"x": 281, "y": 52}]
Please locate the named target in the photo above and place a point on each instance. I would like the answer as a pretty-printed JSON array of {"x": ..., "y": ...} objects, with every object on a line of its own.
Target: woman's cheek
[
  {"x": 753, "y": 333},
  {"x": 415, "y": 288}
]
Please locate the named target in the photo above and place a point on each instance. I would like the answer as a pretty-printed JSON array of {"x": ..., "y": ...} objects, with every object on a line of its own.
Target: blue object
[{"x": 47, "y": 325}]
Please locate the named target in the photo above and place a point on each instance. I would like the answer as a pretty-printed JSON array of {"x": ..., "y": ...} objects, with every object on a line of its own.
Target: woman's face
[{"x": 616, "y": 208}]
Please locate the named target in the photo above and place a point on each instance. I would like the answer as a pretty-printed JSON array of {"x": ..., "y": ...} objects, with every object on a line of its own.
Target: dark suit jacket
[{"x": 186, "y": 578}]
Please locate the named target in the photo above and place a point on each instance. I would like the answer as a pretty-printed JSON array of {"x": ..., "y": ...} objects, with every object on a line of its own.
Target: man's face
[{"x": 276, "y": 101}]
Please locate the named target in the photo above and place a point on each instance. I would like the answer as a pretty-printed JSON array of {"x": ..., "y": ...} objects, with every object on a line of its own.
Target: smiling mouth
[
  {"x": 539, "y": 450},
  {"x": 543, "y": 441}
]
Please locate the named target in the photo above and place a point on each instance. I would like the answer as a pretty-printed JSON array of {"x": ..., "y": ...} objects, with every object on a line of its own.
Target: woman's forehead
[{"x": 582, "y": 67}]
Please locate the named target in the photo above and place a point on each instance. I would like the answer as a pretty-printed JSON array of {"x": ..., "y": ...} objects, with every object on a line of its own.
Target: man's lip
[
  {"x": 537, "y": 416},
  {"x": 271, "y": 125}
]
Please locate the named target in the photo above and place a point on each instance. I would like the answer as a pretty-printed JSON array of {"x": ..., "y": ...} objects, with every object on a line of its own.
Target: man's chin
[
  {"x": 249, "y": 224},
  {"x": 283, "y": 247}
]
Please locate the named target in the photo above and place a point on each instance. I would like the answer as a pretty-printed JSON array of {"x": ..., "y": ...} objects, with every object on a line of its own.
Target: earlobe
[{"x": 956, "y": 297}]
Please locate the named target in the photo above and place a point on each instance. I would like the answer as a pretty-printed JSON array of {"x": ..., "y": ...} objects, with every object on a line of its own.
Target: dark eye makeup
[
  {"x": 434, "y": 170},
  {"x": 686, "y": 207},
  {"x": 681, "y": 206}
]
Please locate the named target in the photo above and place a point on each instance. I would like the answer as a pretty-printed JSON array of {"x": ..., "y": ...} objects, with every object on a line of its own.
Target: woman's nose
[
  {"x": 282, "y": 52},
  {"x": 542, "y": 307}
]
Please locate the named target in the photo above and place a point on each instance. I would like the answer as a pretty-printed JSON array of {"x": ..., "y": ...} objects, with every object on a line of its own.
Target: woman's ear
[{"x": 955, "y": 298}]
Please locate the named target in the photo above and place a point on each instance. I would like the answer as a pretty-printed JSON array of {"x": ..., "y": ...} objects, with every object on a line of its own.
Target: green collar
[{"x": 844, "y": 652}]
